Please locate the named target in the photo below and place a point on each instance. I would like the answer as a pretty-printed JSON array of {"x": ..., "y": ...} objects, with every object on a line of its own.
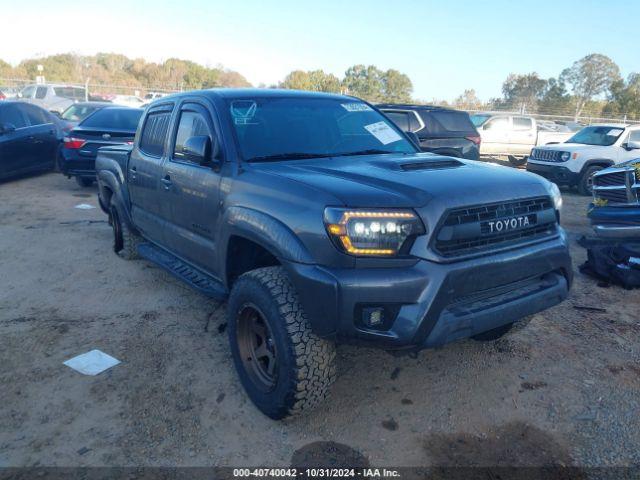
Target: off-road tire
[
  {"x": 305, "y": 363},
  {"x": 125, "y": 242},
  {"x": 84, "y": 182},
  {"x": 584, "y": 187}
]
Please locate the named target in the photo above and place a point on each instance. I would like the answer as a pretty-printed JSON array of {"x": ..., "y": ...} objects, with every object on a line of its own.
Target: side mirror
[
  {"x": 198, "y": 149},
  {"x": 631, "y": 146},
  {"x": 414, "y": 138},
  {"x": 56, "y": 113}
]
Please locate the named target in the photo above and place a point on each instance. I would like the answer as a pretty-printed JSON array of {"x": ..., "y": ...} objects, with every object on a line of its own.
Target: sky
[{"x": 445, "y": 47}]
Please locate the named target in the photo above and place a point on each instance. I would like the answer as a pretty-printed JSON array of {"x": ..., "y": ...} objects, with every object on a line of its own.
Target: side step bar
[{"x": 196, "y": 278}]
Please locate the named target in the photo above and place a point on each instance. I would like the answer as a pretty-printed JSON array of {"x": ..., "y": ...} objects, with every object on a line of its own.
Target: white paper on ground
[
  {"x": 92, "y": 363},
  {"x": 383, "y": 132},
  {"x": 84, "y": 206}
]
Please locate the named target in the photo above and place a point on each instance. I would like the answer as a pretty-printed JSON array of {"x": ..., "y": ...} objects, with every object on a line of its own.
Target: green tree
[
  {"x": 6, "y": 70},
  {"x": 397, "y": 87},
  {"x": 468, "y": 101},
  {"x": 589, "y": 77},
  {"x": 625, "y": 97},
  {"x": 556, "y": 100},
  {"x": 316, "y": 81},
  {"x": 374, "y": 85},
  {"x": 522, "y": 92}
]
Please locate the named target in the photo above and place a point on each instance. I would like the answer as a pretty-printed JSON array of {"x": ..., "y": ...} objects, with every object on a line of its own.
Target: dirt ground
[{"x": 563, "y": 390}]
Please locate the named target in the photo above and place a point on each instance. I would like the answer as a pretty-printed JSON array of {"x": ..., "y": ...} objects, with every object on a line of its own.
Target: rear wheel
[
  {"x": 284, "y": 367},
  {"x": 85, "y": 181},
  {"x": 125, "y": 242},
  {"x": 585, "y": 187}
]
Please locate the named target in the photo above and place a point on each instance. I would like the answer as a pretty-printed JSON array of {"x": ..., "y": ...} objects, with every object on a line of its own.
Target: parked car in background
[
  {"x": 511, "y": 137},
  {"x": 106, "y": 126},
  {"x": 8, "y": 93},
  {"x": 55, "y": 98},
  {"x": 439, "y": 130},
  {"x": 154, "y": 95},
  {"x": 29, "y": 137},
  {"x": 615, "y": 211},
  {"x": 128, "y": 101},
  {"x": 588, "y": 151}
]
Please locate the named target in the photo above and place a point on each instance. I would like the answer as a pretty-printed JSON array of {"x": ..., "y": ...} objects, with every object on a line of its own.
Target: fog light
[{"x": 373, "y": 317}]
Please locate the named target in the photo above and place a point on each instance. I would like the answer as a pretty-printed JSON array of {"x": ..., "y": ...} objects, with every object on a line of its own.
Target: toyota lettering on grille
[{"x": 502, "y": 225}]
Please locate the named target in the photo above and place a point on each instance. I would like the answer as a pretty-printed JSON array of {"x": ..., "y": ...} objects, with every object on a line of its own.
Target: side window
[
  {"x": 522, "y": 123},
  {"x": 192, "y": 124},
  {"x": 498, "y": 123},
  {"x": 12, "y": 115},
  {"x": 154, "y": 133},
  {"x": 634, "y": 136},
  {"x": 41, "y": 92},
  {"x": 35, "y": 115},
  {"x": 28, "y": 92},
  {"x": 401, "y": 119}
]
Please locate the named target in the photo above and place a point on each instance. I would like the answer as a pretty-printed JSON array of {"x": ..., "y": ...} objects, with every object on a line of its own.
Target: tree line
[{"x": 591, "y": 86}]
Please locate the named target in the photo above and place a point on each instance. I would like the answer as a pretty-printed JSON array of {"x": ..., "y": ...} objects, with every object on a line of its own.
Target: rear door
[
  {"x": 192, "y": 191},
  {"x": 43, "y": 134},
  {"x": 149, "y": 207},
  {"x": 523, "y": 135}
]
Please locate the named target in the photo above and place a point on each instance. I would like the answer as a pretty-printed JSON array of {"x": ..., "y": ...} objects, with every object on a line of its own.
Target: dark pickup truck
[{"x": 321, "y": 222}]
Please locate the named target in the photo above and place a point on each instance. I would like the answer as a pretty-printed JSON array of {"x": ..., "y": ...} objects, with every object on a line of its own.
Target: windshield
[
  {"x": 76, "y": 113},
  {"x": 292, "y": 128},
  {"x": 72, "y": 93},
  {"x": 479, "y": 119},
  {"x": 114, "y": 118},
  {"x": 602, "y": 136}
]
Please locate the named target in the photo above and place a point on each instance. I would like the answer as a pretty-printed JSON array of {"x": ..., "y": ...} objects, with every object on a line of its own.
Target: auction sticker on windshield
[
  {"x": 614, "y": 132},
  {"x": 383, "y": 132},
  {"x": 356, "y": 107}
]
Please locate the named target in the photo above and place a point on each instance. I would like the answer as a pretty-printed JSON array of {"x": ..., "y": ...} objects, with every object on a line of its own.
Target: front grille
[
  {"x": 611, "y": 179},
  {"x": 546, "y": 155},
  {"x": 475, "y": 237},
  {"x": 618, "y": 195}
]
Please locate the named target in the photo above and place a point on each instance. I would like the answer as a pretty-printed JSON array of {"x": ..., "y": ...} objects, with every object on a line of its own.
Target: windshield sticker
[
  {"x": 243, "y": 111},
  {"x": 383, "y": 132},
  {"x": 356, "y": 107},
  {"x": 614, "y": 132}
]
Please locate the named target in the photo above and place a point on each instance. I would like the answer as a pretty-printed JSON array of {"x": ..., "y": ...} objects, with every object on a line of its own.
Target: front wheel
[
  {"x": 585, "y": 187},
  {"x": 283, "y": 366}
]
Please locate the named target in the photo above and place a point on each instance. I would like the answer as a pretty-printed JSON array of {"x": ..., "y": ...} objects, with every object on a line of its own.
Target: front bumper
[
  {"x": 621, "y": 222},
  {"x": 435, "y": 303},
  {"x": 555, "y": 173}
]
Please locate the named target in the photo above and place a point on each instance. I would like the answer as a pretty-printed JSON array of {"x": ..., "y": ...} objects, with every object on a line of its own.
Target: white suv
[{"x": 591, "y": 149}]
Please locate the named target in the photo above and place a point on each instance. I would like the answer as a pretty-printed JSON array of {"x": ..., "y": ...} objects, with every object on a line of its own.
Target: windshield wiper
[
  {"x": 287, "y": 156},
  {"x": 371, "y": 151}
]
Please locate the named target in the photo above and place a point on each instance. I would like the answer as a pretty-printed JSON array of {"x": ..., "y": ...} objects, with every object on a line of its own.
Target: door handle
[
  {"x": 132, "y": 172},
  {"x": 166, "y": 181}
]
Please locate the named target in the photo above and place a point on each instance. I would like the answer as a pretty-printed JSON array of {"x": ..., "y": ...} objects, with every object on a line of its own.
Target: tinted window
[
  {"x": 603, "y": 136},
  {"x": 439, "y": 122},
  {"x": 35, "y": 115},
  {"x": 478, "y": 119},
  {"x": 154, "y": 133},
  {"x": 72, "y": 93},
  {"x": 10, "y": 114},
  {"x": 401, "y": 119},
  {"x": 191, "y": 124},
  {"x": 116, "y": 118},
  {"x": 522, "y": 123},
  {"x": 41, "y": 92},
  {"x": 634, "y": 136}
]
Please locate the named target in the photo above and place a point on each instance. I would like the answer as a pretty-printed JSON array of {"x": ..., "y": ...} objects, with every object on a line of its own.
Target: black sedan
[
  {"x": 107, "y": 126},
  {"x": 29, "y": 139}
]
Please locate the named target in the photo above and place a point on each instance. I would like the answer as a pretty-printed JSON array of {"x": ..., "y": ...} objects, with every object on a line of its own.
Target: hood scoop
[{"x": 431, "y": 165}]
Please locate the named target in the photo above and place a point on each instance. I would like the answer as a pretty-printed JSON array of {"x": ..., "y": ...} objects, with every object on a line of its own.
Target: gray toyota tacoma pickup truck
[{"x": 321, "y": 222}]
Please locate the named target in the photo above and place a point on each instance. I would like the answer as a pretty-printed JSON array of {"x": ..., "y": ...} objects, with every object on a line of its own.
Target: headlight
[
  {"x": 368, "y": 232},
  {"x": 564, "y": 156},
  {"x": 555, "y": 194}
]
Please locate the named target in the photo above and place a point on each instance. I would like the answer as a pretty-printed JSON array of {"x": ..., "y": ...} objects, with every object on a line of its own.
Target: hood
[{"x": 408, "y": 181}]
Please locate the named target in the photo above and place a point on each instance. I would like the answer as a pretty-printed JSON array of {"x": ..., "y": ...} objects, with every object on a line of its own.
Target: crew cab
[
  {"x": 507, "y": 136},
  {"x": 615, "y": 211},
  {"x": 321, "y": 222},
  {"x": 590, "y": 150}
]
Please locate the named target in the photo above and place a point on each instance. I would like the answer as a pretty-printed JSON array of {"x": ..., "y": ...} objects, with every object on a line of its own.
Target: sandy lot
[{"x": 563, "y": 390}]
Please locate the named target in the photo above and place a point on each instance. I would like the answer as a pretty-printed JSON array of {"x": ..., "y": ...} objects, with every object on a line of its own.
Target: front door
[
  {"x": 192, "y": 191},
  {"x": 18, "y": 152},
  {"x": 523, "y": 135},
  {"x": 43, "y": 136},
  {"x": 495, "y": 135},
  {"x": 149, "y": 207}
]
